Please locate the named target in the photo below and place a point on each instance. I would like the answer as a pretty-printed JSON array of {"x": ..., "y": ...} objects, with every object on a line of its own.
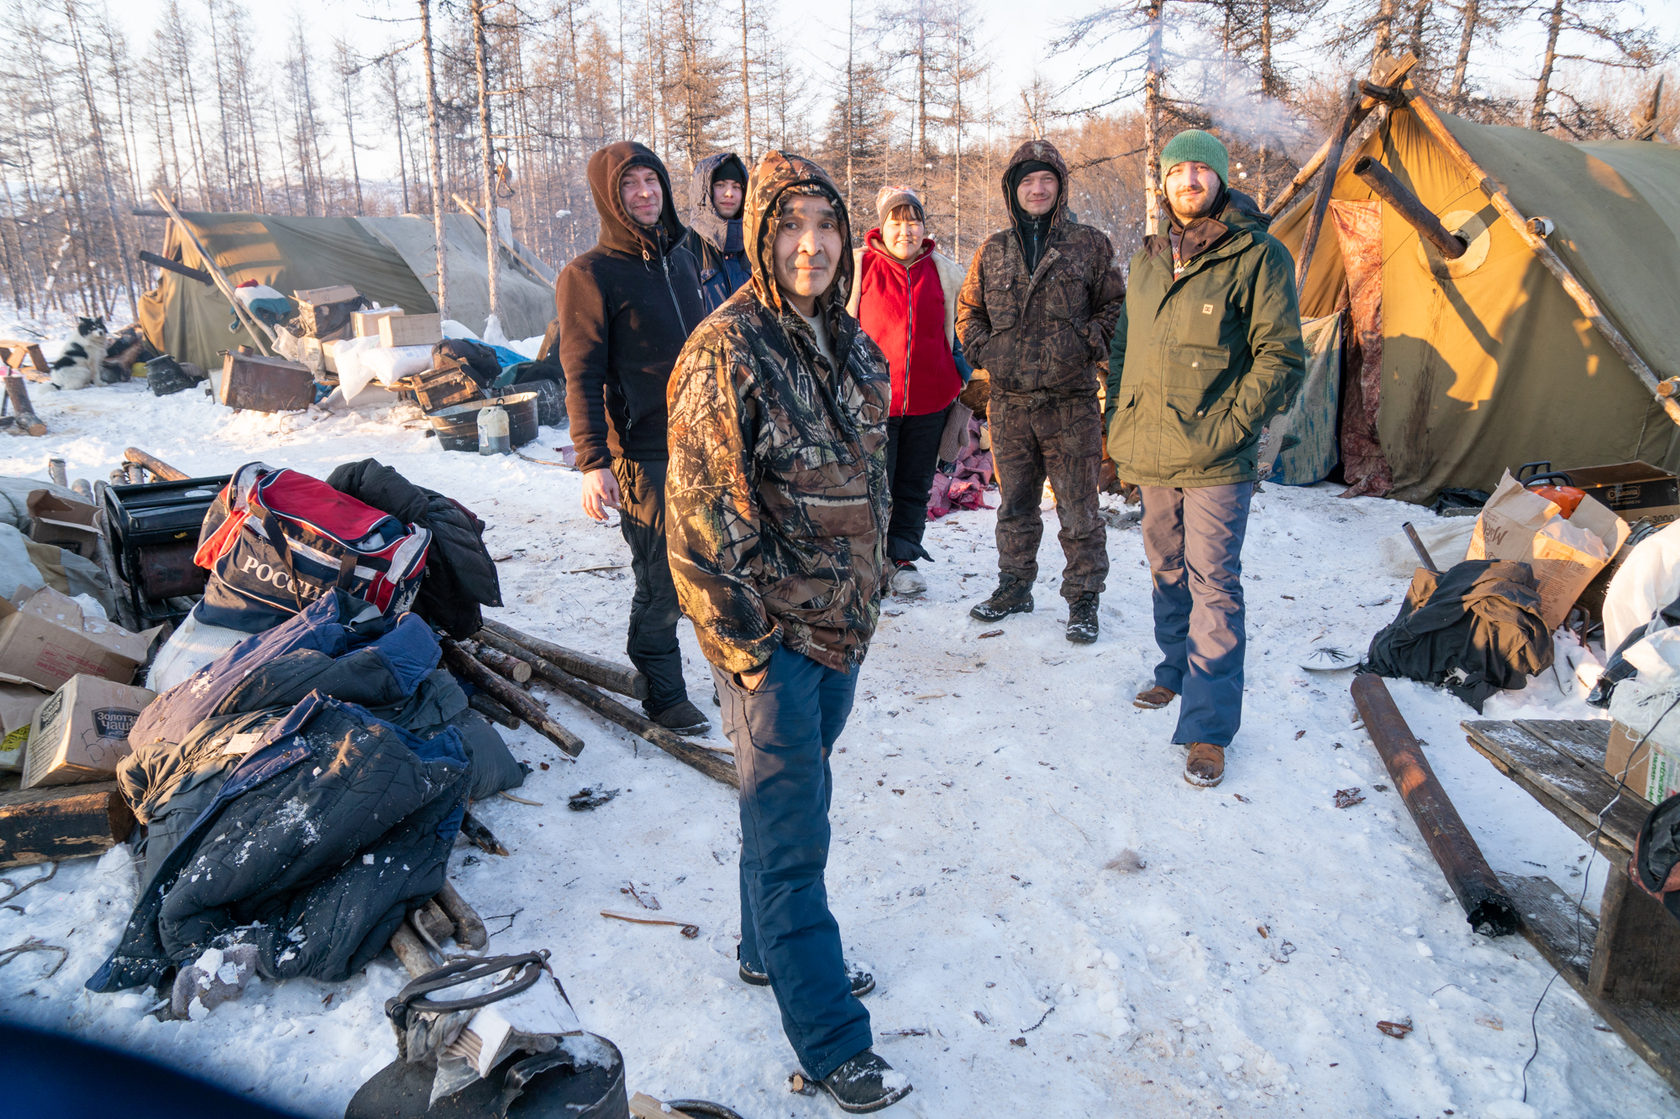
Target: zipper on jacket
[{"x": 665, "y": 266}]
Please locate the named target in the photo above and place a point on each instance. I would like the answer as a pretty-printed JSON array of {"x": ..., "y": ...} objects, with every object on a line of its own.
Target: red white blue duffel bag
[{"x": 276, "y": 540}]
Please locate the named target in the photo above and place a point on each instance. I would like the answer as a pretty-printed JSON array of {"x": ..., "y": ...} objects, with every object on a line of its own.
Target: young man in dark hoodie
[
  {"x": 778, "y": 526},
  {"x": 714, "y": 231},
  {"x": 1036, "y": 312},
  {"x": 1208, "y": 348},
  {"x": 625, "y": 309}
]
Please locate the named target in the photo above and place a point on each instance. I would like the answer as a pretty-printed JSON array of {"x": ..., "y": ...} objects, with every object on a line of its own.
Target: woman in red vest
[{"x": 905, "y": 296}]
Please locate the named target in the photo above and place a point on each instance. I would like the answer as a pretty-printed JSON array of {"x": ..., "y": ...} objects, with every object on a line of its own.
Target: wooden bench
[{"x": 1625, "y": 964}]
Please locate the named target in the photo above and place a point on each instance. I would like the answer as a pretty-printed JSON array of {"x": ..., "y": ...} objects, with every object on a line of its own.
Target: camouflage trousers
[{"x": 1059, "y": 436}]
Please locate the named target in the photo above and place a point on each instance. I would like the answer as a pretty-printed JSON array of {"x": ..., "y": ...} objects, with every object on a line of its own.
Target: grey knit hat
[{"x": 892, "y": 197}]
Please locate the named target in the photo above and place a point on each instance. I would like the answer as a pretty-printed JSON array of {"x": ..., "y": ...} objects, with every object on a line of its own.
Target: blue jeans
[
  {"x": 1193, "y": 538},
  {"x": 783, "y": 733}
]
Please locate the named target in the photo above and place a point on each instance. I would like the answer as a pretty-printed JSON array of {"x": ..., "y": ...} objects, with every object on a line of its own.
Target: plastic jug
[{"x": 493, "y": 431}]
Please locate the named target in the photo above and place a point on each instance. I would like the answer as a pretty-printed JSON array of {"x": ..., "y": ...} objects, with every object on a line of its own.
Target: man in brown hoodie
[{"x": 1037, "y": 311}]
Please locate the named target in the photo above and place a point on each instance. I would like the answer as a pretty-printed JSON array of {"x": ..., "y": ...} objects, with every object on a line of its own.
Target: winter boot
[
  {"x": 1154, "y": 697},
  {"x": 866, "y": 1083},
  {"x": 682, "y": 717},
  {"x": 1082, "y": 620},
  {"x": 1206, "y": 765},
  {"x": 862, "y": 982},
  {"x": 1013, "y": 596},
  {"x": 907, "y": 582}
]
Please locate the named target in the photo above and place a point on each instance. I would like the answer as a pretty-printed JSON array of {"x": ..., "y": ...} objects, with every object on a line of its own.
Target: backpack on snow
[{"x": 276, "y": 540}]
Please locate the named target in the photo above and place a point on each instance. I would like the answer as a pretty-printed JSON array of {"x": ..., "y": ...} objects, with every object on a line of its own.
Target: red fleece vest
[{"x": 903, "y": 310}]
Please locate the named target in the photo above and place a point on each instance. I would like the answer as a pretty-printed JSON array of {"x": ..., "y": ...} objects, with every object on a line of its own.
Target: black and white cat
[{"x": 77, "y": 364}]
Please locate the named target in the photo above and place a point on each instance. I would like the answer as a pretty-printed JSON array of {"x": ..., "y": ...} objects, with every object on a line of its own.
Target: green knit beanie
[{"x": 1195, "y": 146}]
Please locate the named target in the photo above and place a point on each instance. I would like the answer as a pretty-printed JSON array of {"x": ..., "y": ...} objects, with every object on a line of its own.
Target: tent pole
[
  {"x": 1387, "y": 78},
  {"x": 1584, "y": 299},
  {"x": 255, "y": 329},
  {"x": 1333, "y": 161},
  {"x": 519, "y": 252}
]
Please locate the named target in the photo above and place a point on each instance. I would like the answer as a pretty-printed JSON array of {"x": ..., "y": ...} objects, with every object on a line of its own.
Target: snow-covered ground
[{"x": 1059, "y": 924}]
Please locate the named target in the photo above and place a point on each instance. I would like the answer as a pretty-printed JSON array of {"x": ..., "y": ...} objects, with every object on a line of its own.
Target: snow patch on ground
[{"x": 1058, "y": 923}]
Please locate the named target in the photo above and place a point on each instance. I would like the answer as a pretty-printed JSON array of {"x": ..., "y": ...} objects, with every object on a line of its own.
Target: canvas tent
[
  {"x": 1477, "y": 365},
  {"x": 390, "y": 260}
]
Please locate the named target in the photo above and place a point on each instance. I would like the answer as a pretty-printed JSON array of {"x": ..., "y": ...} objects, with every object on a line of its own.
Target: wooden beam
[
  {"x": 519, "y": 252},
  {"x": 1552, "y": 760},
  {"x": 260, "y": 333},
  {"x": 507, "y": 693},
  {"x": 597, "y": 670},
  {"x": 147, "y": 256},
  {"x": 1386, "y": 73},
  {"x": 158, "y": 467},
  {"x": 1584, "y": 300},
  {"x": 61, "y": 822}
]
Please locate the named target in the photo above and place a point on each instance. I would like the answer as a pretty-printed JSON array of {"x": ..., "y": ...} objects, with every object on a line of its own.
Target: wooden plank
[
  {"x": 61, "y": 822},
  {"x": 644, "y": 1106},
  {"x": 1549, "y": 923},
  {"x": 1572, "y": 791},
  {"x": 1634, "y": 959},
  {"x": 1583, "y": 739}
]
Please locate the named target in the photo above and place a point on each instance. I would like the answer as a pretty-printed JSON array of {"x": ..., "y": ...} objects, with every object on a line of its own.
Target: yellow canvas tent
[
  {"x": 1481, "y": 364},
  {"x": 389, "y": 260}
]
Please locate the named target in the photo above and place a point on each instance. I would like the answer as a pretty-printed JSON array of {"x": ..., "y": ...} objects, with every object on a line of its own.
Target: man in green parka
[{"x": 1208, "y": 346}]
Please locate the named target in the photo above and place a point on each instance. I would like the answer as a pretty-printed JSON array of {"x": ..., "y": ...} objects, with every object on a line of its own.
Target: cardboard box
[
  {"x": 72, "y": 525},
  {"x": 81, "y": 732},
  {"x": 45, "y": 640},
  {"x": 366, "y": 323},
  {"x": 18, "y": 704},
  {"x": 266, "y": 384},
  {"x": 1519, "y": 524},
  {"x": 411, "y": 330},
  {"x": 1655, "y": 772}
]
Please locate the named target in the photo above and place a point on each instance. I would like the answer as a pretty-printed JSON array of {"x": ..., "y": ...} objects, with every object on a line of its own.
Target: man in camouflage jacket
[
  {"x": 1037, "y": 311},
  {"x": 776, "y": 517}
]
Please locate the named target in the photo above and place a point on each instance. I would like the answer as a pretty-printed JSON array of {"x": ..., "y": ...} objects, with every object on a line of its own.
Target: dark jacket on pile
[
  {"x": 460, "y": 575},
  {"x": 1475, "y": 628},
  {"x": 717, "y": 242},
  {"x": 332, "y": 822},
  {"x": 625, "y": 308}
]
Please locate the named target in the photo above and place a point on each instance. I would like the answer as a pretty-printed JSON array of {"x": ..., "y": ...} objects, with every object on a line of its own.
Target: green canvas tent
[
  {"x": 1461, "y": 369},
  {"x": 390, "y": 260}
]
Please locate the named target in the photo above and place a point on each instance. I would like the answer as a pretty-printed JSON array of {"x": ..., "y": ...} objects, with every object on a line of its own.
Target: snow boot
[
  {"x": 1013, "y": 596},
  {"x": 862, "y": 981},
  {"x": 1082, "y": 620},
  {"x": 682, "y": 717},
  {"x": 1206, "y": 765},
  {"x": 1154, "y": 697},
  {"x": 907, "y": 582},
  {"x": 866, "y": 1083}
]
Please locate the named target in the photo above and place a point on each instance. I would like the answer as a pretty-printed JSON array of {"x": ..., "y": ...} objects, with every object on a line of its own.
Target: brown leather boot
[
  {"x": 1154, "y": 697},
  {"x": 1206, "y": 765}
]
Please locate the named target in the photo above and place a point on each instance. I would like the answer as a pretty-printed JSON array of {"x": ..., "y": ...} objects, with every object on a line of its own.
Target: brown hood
[
  {"x": 776, "y": 174},
  {"x": 619, "y": 232},
  {"x": 1045, "y": 152}
]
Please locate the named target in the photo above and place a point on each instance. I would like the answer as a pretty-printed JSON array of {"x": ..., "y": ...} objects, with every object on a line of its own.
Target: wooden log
[
  {"x": 474, "y": 831},
  {"x": 61, "y": 822},
  {"x": 505, "y": 692},
  {"x": 636, "y": 723},
  {"x": 1351, "y": 117},
  {"x": 199, "y": 274},
  {"x": 495, "y": 712},
  {"x": 644, "y": 1106},
  {"x": 1584, "y": 300},
  {"x": 596, "y": 670},
  {"x": 411, "y": 951},
  {"x": 433, "y": 921},
  {"x": 160, "y": 469},
  {"x": 23, "y": 412},
  {"x": 1473, "y": 882},
  {"x": 469, "y": 927},
  {"x": 498, "y": 661}
]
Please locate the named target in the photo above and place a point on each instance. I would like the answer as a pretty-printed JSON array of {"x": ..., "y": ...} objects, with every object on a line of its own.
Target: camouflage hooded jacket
[
  {"x": 775, "y": 501},
  {"x": 1044, "y": 329}
]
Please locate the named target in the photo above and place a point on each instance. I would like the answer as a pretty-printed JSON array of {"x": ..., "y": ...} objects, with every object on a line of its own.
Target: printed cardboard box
[
  {"x": 18, "y": 704},
  {"x": 68, "y": 524},
  {"x": 1655, "y": 772},
  {"x": 45, "y": 640},
  {"x": 1518, "y": 524},
  {"x": 81, "y": 732}
]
